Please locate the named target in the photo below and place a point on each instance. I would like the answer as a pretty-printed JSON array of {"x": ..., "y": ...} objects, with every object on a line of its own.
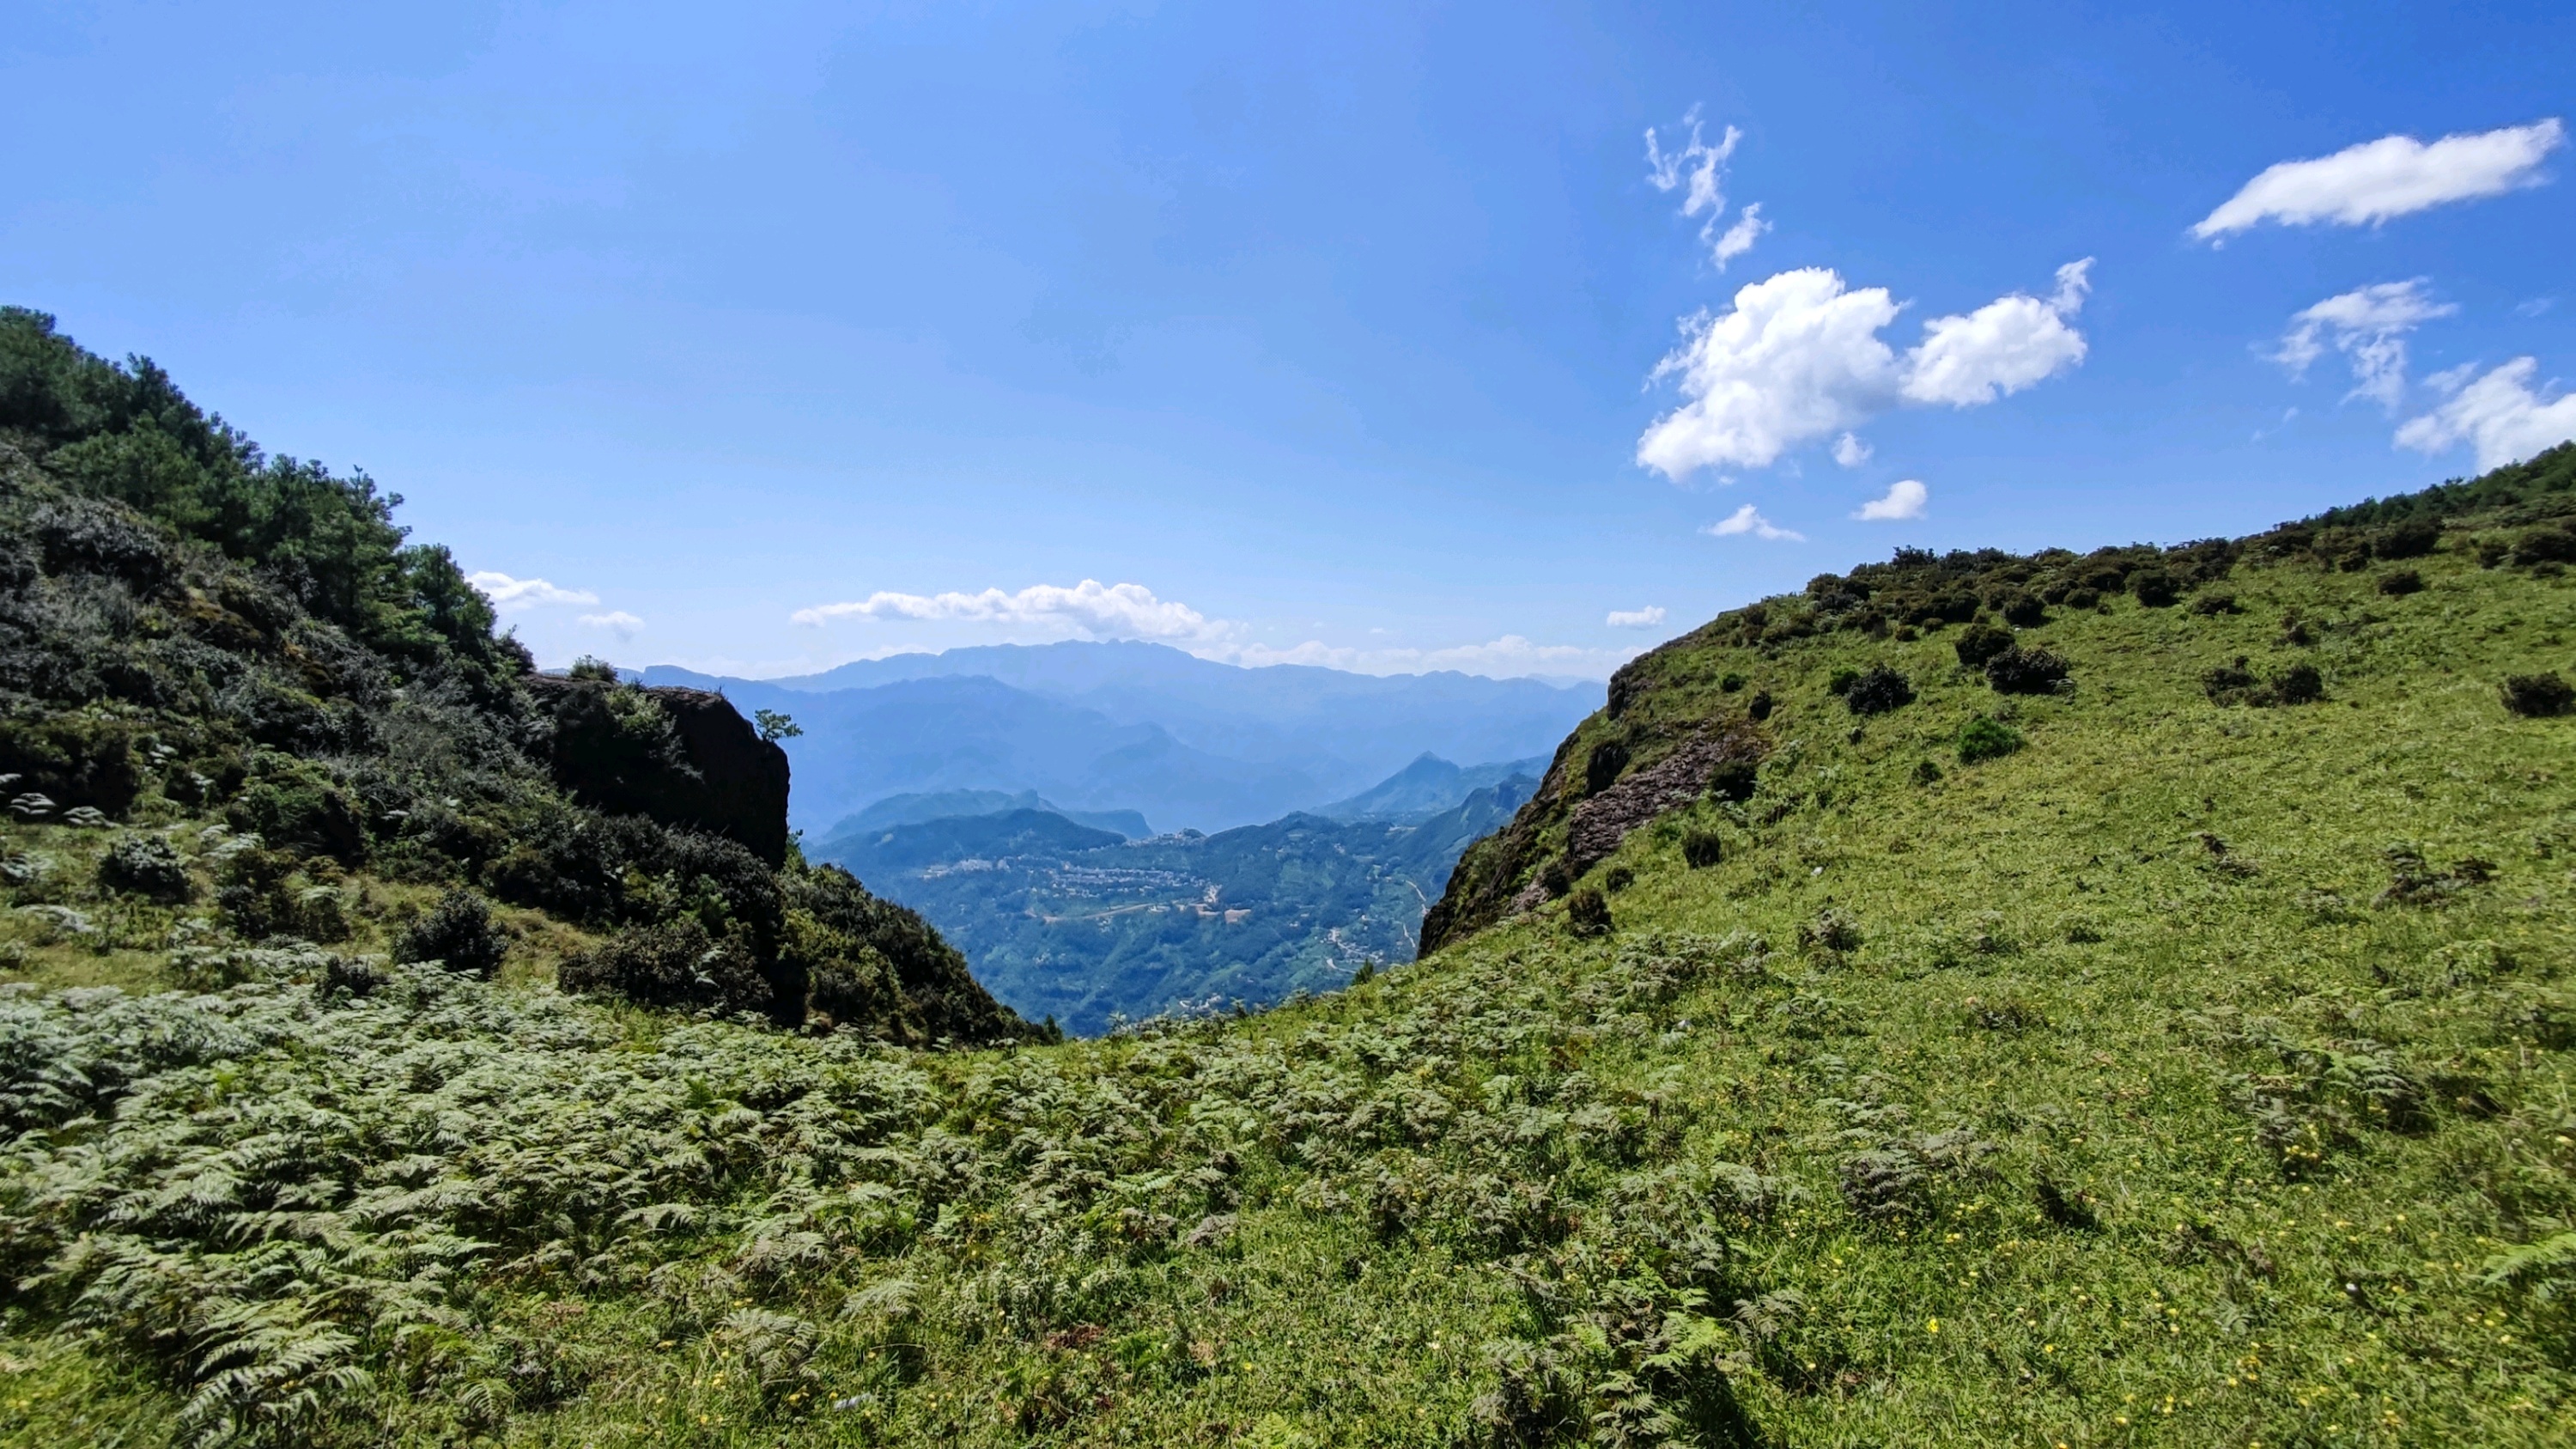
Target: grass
[{"x": 2140, "y": 1111}]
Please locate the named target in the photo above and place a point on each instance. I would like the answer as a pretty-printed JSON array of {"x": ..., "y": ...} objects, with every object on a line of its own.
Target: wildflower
[{"x": 1932, "y": 1326}]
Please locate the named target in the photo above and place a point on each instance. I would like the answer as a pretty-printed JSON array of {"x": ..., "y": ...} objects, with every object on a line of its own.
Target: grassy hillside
[{"x": 2188, "y": 1067}]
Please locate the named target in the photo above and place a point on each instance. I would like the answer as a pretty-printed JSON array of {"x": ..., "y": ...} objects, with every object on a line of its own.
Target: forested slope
[{"x": 2134, "y": 1011}]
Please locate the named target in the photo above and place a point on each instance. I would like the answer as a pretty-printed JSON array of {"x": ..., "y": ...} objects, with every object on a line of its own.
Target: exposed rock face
[
  {"x": 683, "y": 757},
  {"x": 1597, "y": 803}
]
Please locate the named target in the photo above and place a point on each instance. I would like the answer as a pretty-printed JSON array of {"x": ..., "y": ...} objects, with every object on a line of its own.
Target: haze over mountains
[{"x": 1092, "y": 727}]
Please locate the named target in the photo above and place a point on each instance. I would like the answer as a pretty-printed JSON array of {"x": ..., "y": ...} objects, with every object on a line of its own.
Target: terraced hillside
[{"x": 2153, "y": 1032}]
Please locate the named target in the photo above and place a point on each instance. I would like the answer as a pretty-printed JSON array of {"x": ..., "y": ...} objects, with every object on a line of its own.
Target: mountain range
[{"x": 1189, "y": 743}]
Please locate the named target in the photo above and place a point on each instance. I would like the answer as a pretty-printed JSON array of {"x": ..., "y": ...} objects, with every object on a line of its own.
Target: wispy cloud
[
  {"x": 1509, "y": 656},
  {"x": 2391, "y": 177},
  {"x": 1905, "y": 498},
  {"x": 1746, "y": 520},
  {"x": 1698, "y": 170},
  {"x": 1090, "y": 609},
  {"x": 617, "y": 621},
  {"x": 1645, "y": 618},
  {"x": 511, "y": 595},
  {"x": 1850, "y": 451},
  {"x": 2368, "y": 325}
]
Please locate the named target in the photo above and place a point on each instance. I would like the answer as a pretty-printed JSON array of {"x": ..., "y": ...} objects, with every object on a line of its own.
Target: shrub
[
  {"x": 1982, "y": 738},
  {"x": 2154, "y": 588},
  {"x": 2216, "y": 602},
  {"x": 1830, "y": 931},
  {"x": 1601, "y": 768},
  {"x": 1759, "y": 707},
  {"x": 1702, "y": 849},
  {"x": 2492, "y": 552},
  {"x": 296, "y": 805},
  {"x": 1927, "y": 773},
  {"x": 2025, "y": 671},
  {"x": 2413, "y": 538},
  {"x": 591, "y": 666},
  {"x": 2081, "y": 598},
  {"x": 1617, "y": 878},
  {"x": 1730, "y": 683},
  {"x": 458, "y": 931},
  {"x": 1979, "y": 643},
  {"x": 2229, "y": 683},
  {"x": 674, "y": 964},
  {"x": 2396, "y": 583},
  {"x": 1842, "y": 680},
  {"x": 2538, "y": 696},
  {"x": 1880, "y": 690},
  {"x": 2545, "y": 544},
  {"x": 2298, "y": 684},
  {"x": 2022, "y": 610},
  {"x": 146, "y": 866},
  {"x": 1734, "y": 780},
  {"x": 1587, "y": 914}
]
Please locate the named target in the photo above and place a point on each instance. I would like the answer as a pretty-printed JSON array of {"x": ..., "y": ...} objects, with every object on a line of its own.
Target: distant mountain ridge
[
  {"x": 1427, "y": 787},
  {"x": 1095, "y": 727},
  {"x": 915, "y": 809}
]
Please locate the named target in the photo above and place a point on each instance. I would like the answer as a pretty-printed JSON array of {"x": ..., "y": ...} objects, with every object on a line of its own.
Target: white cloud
[
  {"x": 1739, "y": 238},
  {"x": 1798, "y": 357},
  {"x": 1698, "y": 169},
  {"x": 2390, "y": 177},
  {"x": 1850, "y": 451},
  {"x": 617, "y": 621},
  {"x": 1745, "y": 520},
  {"x": 2498, "y": 414},
  {"x": 1905, "y": 499},
  {"x": 2368, "y": 325},
  {"x": 511, "y": 595},
  {"x": 1507, "y": 657},
  {"x": 1090, "y": 608},
  {"x": 2002, "y": 347},
  {"x": 1645, "y": 618}
]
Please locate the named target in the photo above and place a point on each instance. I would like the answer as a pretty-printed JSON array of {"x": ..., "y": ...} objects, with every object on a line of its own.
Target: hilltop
[{"x": 2117, "y": 998}]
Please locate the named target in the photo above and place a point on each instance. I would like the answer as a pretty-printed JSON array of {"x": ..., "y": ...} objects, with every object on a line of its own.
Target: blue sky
[{"x": 1362, "y": 334}]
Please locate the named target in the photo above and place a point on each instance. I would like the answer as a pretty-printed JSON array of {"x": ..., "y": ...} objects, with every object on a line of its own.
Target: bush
[
  {"x": 1979, "y": 643},
  {"x": 2538, "y": 696},
  {"x": 2298, "y": 684},
  {"x": 2025, "y": 671},
  {"x": 2022, "y": 610},
  {"x": 675, "y": 964},
  {"x": 2413, "y": 538},
  {"x": 2154, "y": 588},
  {"x": 1759, "y": 707},
  {"x": 2216, "y": 602},
  {"x": 1702, "y": 849},
  {"x": 1734, "y": 780},
  {"x": 2229, "y": 683},
  {"x": 1587, "y": 914},
  {"x": 2396, "y": 583},
  {"x": 1601, "y": 768},
  {"x": 296, "y": 805},
  {"x": 1730, "y": 683},
  {"x": 1983, "y": 738},
  {"x": 1927, "y": 773},
  {"x": 459, "y": 932},
  {"x": 1842, "y": 679},
  {"x": 1617, "y": 878},
  {"x": 2545, "y": 544},
  {"x": 146, "y": 866},
  {"x": 2081, "y": 598},
  {"x": 1878, "y": 691}
]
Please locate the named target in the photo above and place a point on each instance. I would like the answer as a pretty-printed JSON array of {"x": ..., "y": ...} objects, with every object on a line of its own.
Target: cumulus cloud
[
  {"x": 1745, "y": 520},
  {"x": 2393, "y": 176},
  {"x": 1798, "y": 357},
  {"x": 2499, "y": 415},
  {"x": 2002, "y": 347},
  {"x": 617, "y": 621},
  {"x": 1697, "y": 169},
  {"x": 2368, "y": 325},
  {"x": 1905, "y": 498},
  {"x": 511, "y": 596},
  {"x": 1645, "y": 618},
  {"x": 1090, "y": 608},
  {"x": 1850, "y": 451}
]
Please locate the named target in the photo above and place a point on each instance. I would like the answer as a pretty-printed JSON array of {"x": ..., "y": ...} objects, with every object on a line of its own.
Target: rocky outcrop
[
  {"x": 681, "y": 757},
  {"x": 1597, "y": 803}
]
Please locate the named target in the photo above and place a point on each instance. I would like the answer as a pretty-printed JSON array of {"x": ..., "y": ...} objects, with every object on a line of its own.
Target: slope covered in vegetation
[{"x": 2156, "y": 1037}]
